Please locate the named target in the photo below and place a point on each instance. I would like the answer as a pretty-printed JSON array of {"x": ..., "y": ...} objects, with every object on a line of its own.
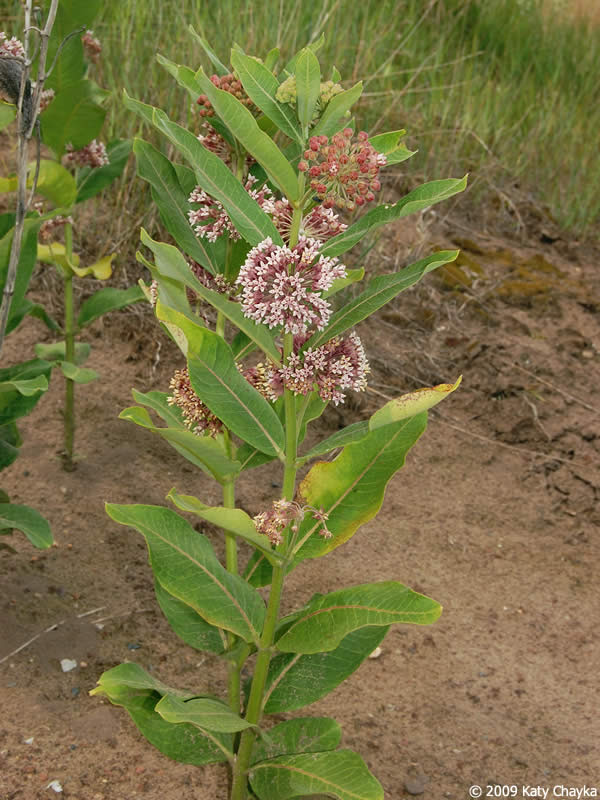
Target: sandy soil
[{"x": 495, "y": 515}]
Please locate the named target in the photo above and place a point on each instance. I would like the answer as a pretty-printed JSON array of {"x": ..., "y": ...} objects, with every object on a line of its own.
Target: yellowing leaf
[
  {"x": 101, "y": 270},
  {"x": 408, "y": 405}
]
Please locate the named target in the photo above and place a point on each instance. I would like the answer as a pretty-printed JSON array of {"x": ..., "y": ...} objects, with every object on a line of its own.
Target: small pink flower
[
  {"x": 272, "y": 523},
  {"x": 92, "y": 155},
  {"x": 11, "y": 47},
  {"x": 50, "y": 226},
  {"x": 336, "y": 366},
  {"x": 280, "y": 286},
  {"x": 342, "y": 172},
  {"x": 211, "y": 220},
  {"x": 321, "y": 223},
  {"x": 266, "y": 379},
  {"x": 214, "y": 142},
  {"x": 91, "y": 45},
  {"x": 46, "y": 97},
  {"x": 196, "y": 415}
]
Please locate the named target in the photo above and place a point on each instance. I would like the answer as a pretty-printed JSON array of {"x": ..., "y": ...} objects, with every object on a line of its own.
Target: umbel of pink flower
[
  {"x": 343, "y": 172},
  {"x": 320, "y": 223},
  {"x": 92, "y": 155},
  {"x": 11, "y": 47},
  {"x": 281, "y": 285}
]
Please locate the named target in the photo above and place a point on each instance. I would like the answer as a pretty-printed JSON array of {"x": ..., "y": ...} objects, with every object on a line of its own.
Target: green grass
[{"x": 497, "y": 89}]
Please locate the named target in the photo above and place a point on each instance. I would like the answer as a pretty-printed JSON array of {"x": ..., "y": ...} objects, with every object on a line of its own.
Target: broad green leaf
[
  {"x": 296, "y": 680},
  {"x": 56, "y": 352},
  {"x": 378, "y": 292},
  {"x": 352, "y": 276},
  {"x": 422, "y": 197},
  {"x": 249, "y": 457},
  {"x": 29, "y": 521},
  {"x": 205, "y": 713},
  {"x": 106, "y": 300},
  {"x": 13, "y": 404},
  {"x": 389, "y": 144},
  {"x": 8, "y": 113},
  {"x": 188, "y": 625},
  {"x": 203, "y": 451},
  {"x": 39, "y": 312},
  {"x": 233, "y": 520},
  {"x": 327, "y": 619},
  {"x": 213, "y": 176},
  {"x": 172, "y": 202},
  {"x": 335, "y": 109},
  {"x": 184, "y": 563},
  {"x": 308, "y": 86},
  {"x": 54, "y": 182},
  {"x": 159, "y": 402},
  {"x": 26, "y": 387},
  {"x": 70, "y": 66},
  {"x": 339, "y": 773},
  {"x": 78, "y": 374},
  {"x": 101, "y": 270},
  {"x": 92, "y": 180},
  {"x": 218, "y": 65},
  {"x": 350, "y": 488},
  {"x": 217, "y": 382},
  {"x": 244, "y": 127},
  {"x": 407, "y": 405},
  {"x": 10, "y": 441},
  {"x": 348, "y": 435},
  {"x": 133, "y": 676},
  {"x": 171, "y": 264},
  {"x": 301, "y": 735},
  {"x": 261, "y": 86},
  {"x": 74, "y": 116},
  {"x": 183, "y": 743}
]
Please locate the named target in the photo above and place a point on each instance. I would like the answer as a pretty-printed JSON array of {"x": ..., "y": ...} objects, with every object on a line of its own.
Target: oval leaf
[
  {"x": 203, "y": 712},
  {"x": 412, "y": 403},
  {"x": 327, "y": 619},
  {"x": 340, "y": 773},
  {"x": 106, "y": 300},
  {"x": 188, "y": 625},
  {"x": 301, "y": 735},
  {"x": 28, "y": 521},
  {"x": 308, "y": 85}
]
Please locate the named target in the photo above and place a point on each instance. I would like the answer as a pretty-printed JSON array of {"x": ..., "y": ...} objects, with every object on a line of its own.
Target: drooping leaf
[
  {"x": 378, "y": 292},
  {"x": 184, "y": 743},
  {"x": 78, "y": 374},
  {"x": 188, "y": 625},
  {"x": 327, "y": 619},
  {"x": 106, "y": 300},
  {"x": 10, "y": 441},
  {"x": 14, "y": 404},
  {"x": 54, "y": 182},
  {"x": 350, "y": 488},
  {"x": 206, "y": 713},
  {"x": 261, "y": 86},
  {"x": 339, "y": 773},
  {"x": 184, "y": 563},
  {"x": 390, "y": 146},
  {"x": 92, "y": 180},
  {"x": 296, "y": 680},
  {"x": 56, "y": 352},
  {"x": 205, "y": 452},
  {"x": 213, "y": 176},
  {"x": 56, "y": 253},
  {"x": 101, "y": 270},
  {"x": 300, "y": 735},
  {"x": 26, "y": 387},
  {"x": 35, "y": 527},
  {"x": 159, "y": 402},
  {"x": 25, "y": 265},
  {"x": 422, "y": 197},
  {"x": 233, "y": 520}
]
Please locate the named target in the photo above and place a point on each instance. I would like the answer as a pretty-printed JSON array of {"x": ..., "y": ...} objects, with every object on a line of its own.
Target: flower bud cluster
[
  {"x": 211, "y": 220},
  {"x": 281, "y": 285},
  {"x": 196, "y": 416},
  {"x": 91, "y": 45},
  {"x": 343, "y": 172},
  {"x": 228, "y": 83},
  {"x": 287, "y": 93},
  {"x": 11, "y": 47},
  {"x": 92, "y": 155}
]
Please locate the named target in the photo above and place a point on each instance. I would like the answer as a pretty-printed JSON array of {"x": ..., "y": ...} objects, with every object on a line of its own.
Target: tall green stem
[{"x": 69, "y": 318}]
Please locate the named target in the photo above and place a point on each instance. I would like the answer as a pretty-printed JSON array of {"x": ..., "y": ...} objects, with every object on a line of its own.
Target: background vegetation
[{"x": 507, "y": 90}]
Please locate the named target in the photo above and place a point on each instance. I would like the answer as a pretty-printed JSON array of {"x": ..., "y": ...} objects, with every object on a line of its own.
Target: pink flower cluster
[
  {"x": 272, "y": 523},
  {"x": 228, "y": 83},
  {"x": 214, "y": 142},
  {"x": 196, "y": 415},
  {"x": 280, "y": 285},
  {"x": 343, "y": 172},
  {"x": 320, "y": 223},
  {"x": 92, "y": 155},
  {"x": 211, "y": 220},
  {"x": 91, "y": 45},
  {"x": 50, "y": 226},
  {"x": 11, "y": 47}
]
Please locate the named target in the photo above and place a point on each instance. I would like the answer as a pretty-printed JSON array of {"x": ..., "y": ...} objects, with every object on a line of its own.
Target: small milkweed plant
[{"x": 259, "y": 247}]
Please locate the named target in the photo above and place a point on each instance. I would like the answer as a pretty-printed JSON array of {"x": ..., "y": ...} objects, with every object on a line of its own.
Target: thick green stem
[{"x": 69, "y": 411}]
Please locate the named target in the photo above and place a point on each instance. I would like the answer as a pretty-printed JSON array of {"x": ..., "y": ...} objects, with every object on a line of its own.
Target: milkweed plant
[{"x": 260, "y": 244}]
